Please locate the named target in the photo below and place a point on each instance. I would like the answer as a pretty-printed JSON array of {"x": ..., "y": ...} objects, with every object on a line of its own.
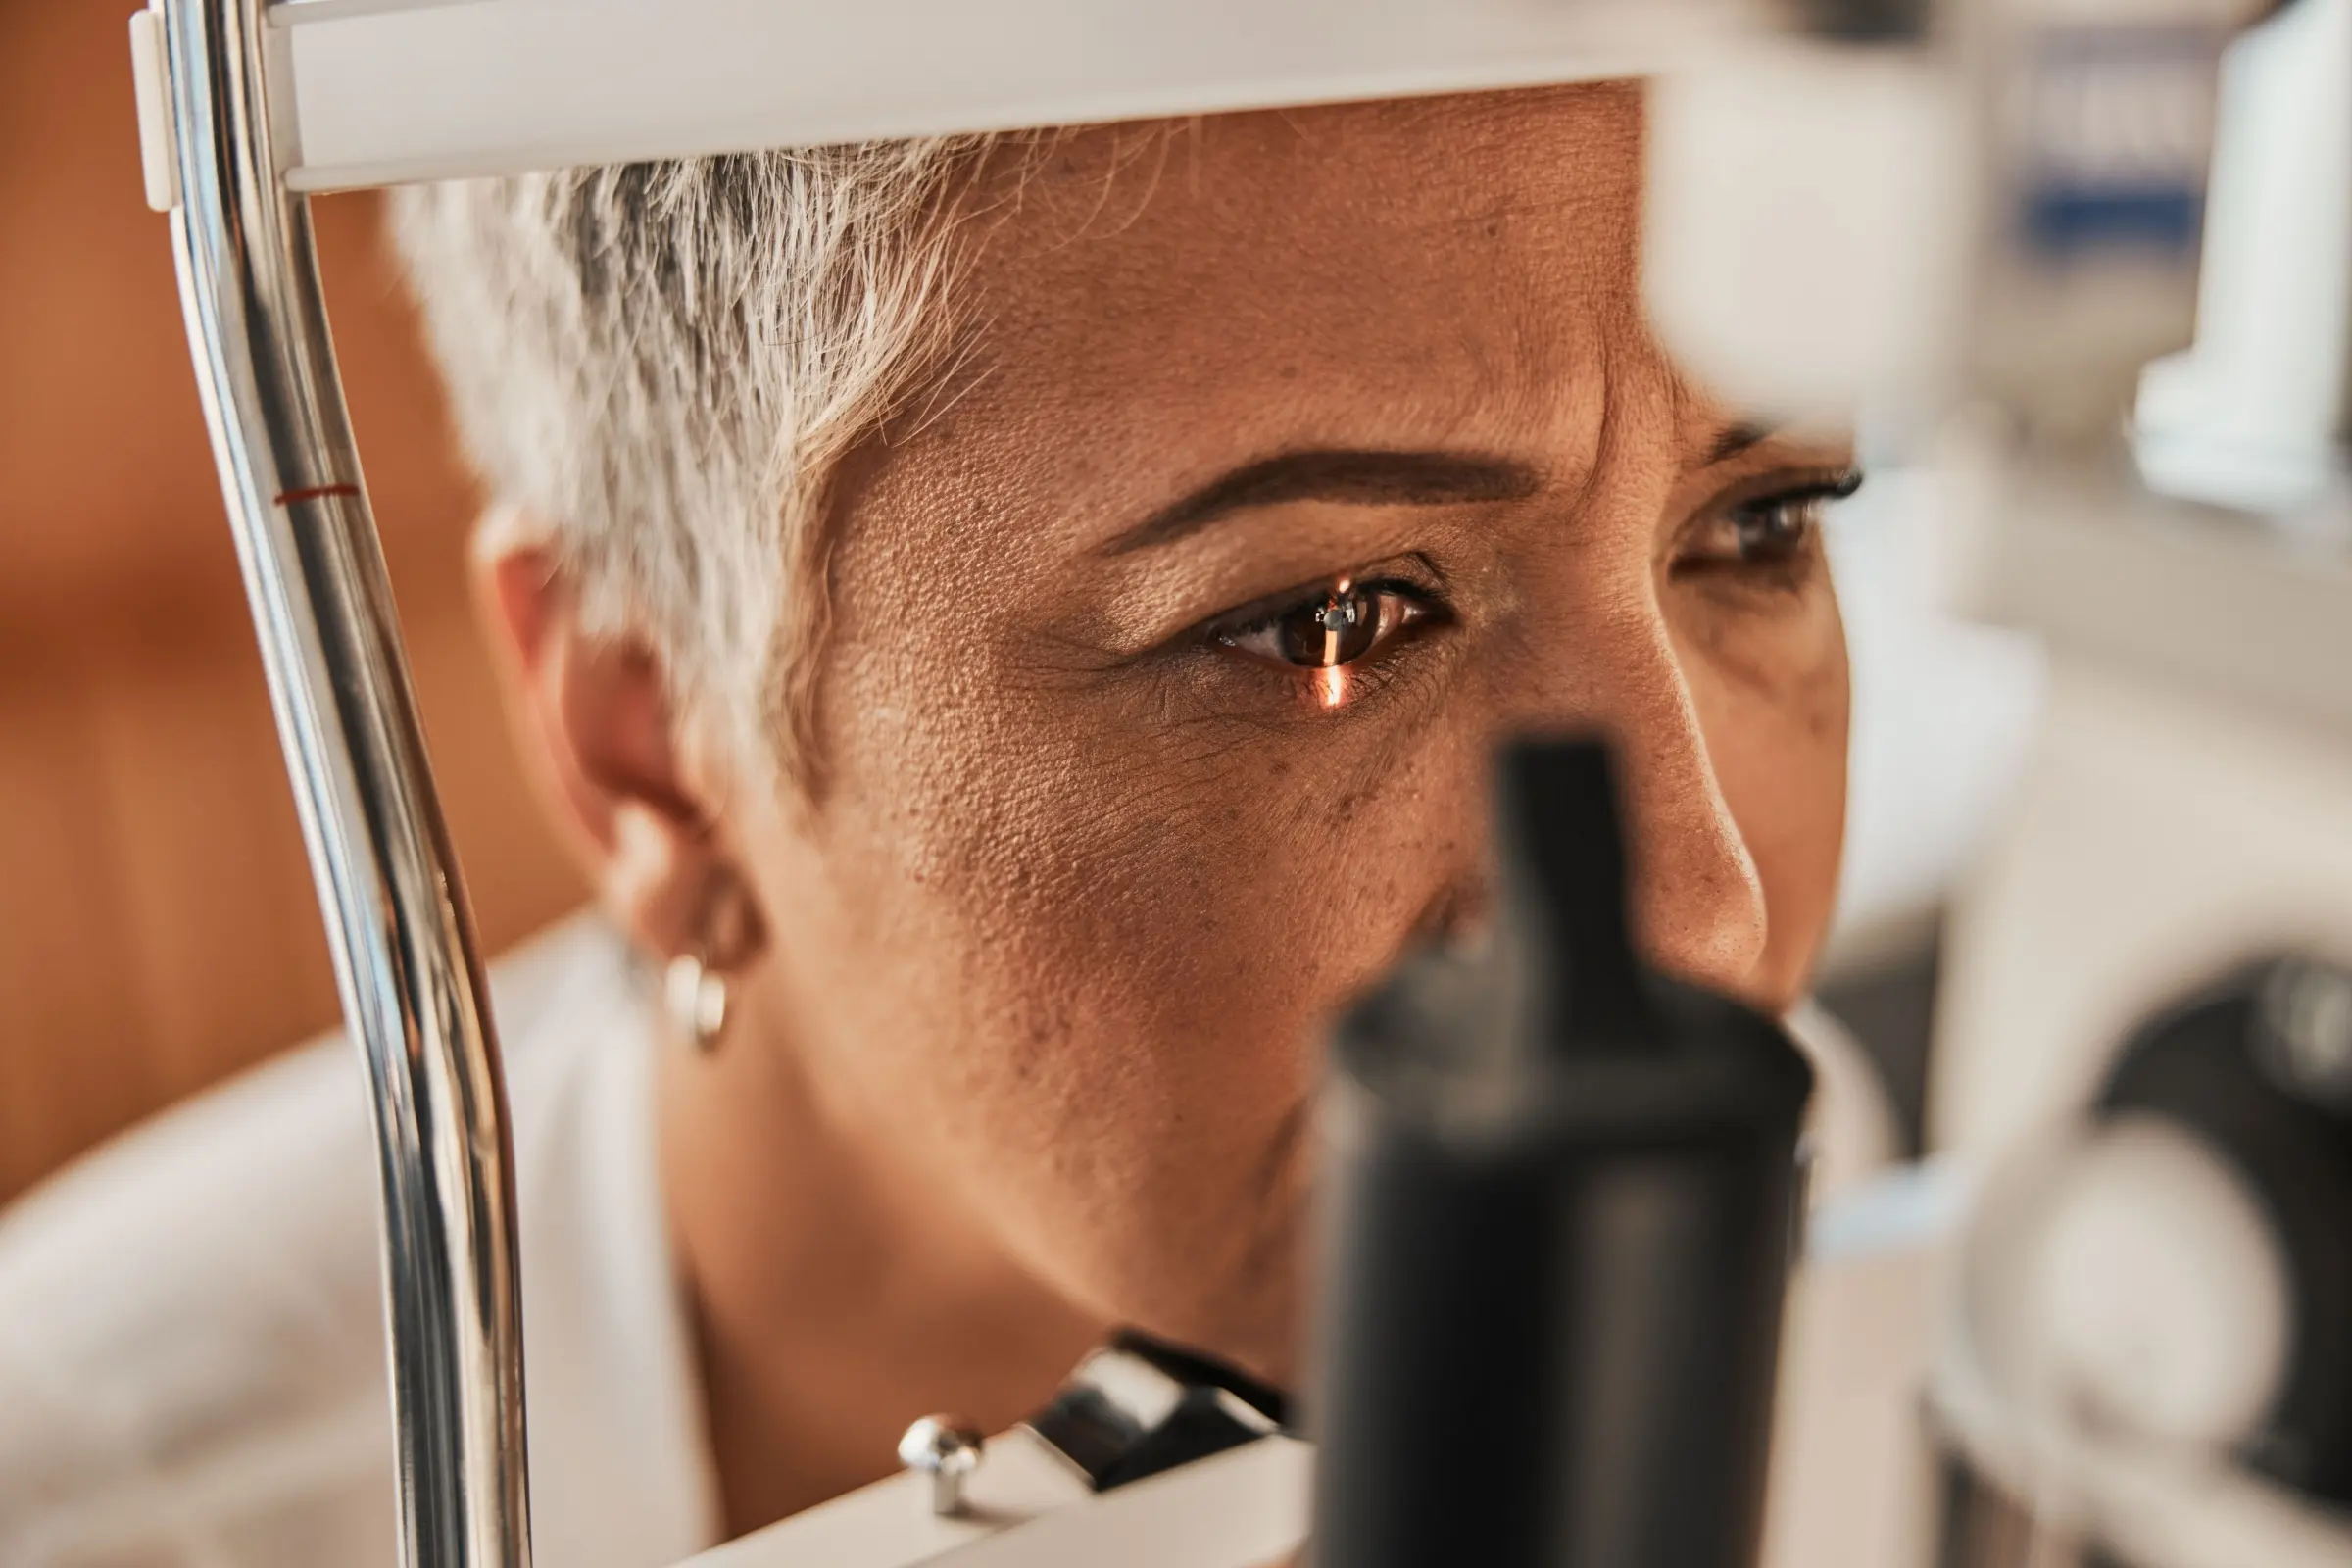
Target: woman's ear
[{"x": 603, "y": 743}]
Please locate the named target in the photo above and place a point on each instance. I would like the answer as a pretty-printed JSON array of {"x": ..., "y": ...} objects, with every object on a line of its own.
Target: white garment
[
  {"x": 192, "y": 1367},
  {"x": 192, "y": 1364}
]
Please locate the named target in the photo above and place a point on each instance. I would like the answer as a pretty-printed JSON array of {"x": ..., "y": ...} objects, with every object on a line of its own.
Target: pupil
[
  {"x": 1336, "y": 629},
  {"x": 1769, "y": 528}
]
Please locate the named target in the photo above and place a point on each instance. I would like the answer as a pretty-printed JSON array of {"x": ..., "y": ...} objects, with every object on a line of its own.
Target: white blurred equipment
[{"x": 2250, "y": 416}]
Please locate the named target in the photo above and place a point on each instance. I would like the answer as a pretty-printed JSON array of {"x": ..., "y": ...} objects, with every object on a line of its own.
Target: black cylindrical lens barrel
[{"x": 1559, "y": 1240}]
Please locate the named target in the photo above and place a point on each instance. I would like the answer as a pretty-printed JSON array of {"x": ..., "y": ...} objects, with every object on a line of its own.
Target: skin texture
[{"x": 1027, "y": 999}]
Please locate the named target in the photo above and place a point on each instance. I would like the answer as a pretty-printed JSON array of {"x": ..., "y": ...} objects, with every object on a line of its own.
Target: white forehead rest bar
[{"x": 378, "y": 92}]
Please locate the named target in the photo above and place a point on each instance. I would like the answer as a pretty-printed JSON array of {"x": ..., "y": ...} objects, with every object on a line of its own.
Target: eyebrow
[
  {"x": 1736, "y": 439},
  {"x": 1366, "y": 478}
]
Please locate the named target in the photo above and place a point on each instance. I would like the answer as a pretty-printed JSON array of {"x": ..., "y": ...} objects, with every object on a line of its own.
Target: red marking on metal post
[{"x": 316, "y": 492}]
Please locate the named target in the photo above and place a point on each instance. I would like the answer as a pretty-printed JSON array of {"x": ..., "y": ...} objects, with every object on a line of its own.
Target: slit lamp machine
[{"x": 1566, "y": 1192}]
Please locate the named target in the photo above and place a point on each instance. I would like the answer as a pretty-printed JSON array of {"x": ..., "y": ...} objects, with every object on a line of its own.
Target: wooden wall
[{"x": 156, "y": 924}]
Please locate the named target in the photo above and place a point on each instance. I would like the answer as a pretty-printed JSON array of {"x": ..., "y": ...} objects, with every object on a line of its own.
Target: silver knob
[{"x": 948, "y": 1450}]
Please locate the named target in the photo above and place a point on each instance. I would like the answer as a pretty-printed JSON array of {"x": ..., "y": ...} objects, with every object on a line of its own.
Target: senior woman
[{"x": 1014, "y": 629}]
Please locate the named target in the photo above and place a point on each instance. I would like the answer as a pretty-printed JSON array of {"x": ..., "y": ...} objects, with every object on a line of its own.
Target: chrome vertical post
[{"x": 396, "y": 917}]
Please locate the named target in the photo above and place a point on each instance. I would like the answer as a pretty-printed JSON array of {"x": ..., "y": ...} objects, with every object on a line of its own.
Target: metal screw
[{"x": 948, "y": 1450}]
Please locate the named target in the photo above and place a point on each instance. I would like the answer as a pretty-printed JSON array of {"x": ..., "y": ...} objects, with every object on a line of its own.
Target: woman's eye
[
  {"x": 1768, "y": 531},
  {"x": 1330, "y": 629},
  {"x": 1772, "y": 529}
]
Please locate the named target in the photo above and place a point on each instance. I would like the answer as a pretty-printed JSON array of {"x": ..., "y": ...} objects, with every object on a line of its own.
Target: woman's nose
[{"x": 1697, "y": 900}]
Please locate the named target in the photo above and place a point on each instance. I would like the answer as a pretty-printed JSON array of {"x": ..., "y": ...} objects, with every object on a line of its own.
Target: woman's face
[{"x": 1291, "y": 461}]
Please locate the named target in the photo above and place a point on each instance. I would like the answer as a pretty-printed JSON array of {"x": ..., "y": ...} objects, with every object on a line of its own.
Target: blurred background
[{"x": 156, "y": 924}]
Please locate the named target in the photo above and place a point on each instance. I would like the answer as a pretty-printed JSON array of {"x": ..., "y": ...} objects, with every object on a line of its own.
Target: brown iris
[{"x": 1337, "y": 628}]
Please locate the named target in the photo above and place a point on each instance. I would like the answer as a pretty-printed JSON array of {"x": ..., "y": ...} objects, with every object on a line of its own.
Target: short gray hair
[{"x": 667, "y": 361}]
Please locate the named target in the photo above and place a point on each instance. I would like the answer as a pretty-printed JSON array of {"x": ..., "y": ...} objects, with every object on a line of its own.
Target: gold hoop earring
[{"x": 696, "y": 997}]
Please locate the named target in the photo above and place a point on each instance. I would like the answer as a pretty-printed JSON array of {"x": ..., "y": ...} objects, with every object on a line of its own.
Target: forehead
[
  {"x": 1400, "y": 232},
  {"x": 1141, "y": 306}
]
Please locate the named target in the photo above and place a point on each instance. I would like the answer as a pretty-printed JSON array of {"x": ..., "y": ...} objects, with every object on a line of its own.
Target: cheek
[
  {"x": 1773, "y": 697},
  {"x": 1202, "y": 896},
  {"x": 1108, "y": 945}
]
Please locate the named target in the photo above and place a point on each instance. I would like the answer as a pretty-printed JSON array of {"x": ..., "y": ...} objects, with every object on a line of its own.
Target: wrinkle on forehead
[
  {"x": 1440, "y": 163},
  {"x": 1275, "y": 271}
]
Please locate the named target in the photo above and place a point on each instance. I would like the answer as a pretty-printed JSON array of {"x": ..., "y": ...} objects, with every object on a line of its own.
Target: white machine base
[{"x": 1243, "y": 1509}]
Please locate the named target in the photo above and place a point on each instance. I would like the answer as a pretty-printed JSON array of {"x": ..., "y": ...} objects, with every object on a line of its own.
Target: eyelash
[{"x": 1774, "y": 561}]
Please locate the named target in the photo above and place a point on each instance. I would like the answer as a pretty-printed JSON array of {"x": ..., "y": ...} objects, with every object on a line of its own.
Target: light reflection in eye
[
  {"x": 1331, "y": 680},
  {"x": 1333, "y": 621}
]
